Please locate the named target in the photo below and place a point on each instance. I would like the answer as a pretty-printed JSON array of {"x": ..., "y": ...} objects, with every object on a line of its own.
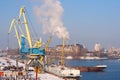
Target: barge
[
  {"x": 63, "y": 72},
  {"x": 97, "y": 68}
]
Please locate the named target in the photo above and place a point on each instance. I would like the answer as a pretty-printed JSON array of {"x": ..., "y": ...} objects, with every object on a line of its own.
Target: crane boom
[
  {"x": 22, "y": 13},
  {"x": 13, "y": 23}
]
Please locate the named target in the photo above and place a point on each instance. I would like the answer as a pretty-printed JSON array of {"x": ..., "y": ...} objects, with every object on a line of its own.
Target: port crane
[{"x": 34, "y": 54}]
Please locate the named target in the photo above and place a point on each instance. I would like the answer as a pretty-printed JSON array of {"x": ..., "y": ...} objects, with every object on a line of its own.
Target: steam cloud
[{"x": 49, "y": 14}]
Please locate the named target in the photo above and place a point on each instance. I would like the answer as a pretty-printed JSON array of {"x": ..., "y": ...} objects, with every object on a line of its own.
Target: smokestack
[{"x": 49, "y": 14}]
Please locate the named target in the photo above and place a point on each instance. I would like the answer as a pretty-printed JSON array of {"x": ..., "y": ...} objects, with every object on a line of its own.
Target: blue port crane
[
  {"x": 34, "y": 52},
  {"x": 31, "y": 50}
]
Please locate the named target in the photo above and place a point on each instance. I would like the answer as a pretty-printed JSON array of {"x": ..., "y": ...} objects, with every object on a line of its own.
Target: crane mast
[
  {"x": 48, "y": 42},
  {"x": 62, "y": 62}
]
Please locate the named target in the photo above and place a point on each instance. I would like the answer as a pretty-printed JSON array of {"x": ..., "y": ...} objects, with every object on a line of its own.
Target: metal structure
[
  {"x": 13, "y": 24},
  {"x": 62, "y": 62},
  {"x": 33, "y": 54}
]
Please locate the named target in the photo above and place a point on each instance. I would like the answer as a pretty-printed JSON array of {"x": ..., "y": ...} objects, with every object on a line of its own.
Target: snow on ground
[{"x": 45, "y": 76}]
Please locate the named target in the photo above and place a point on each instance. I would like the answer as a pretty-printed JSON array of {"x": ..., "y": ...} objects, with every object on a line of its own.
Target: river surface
[{"x": 112, "y": 72}]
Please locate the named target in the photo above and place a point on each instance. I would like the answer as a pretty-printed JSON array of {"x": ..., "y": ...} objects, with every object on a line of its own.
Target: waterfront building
[
  {"x": 73, "y": 49},
  {"x": 97, "y": 47}
]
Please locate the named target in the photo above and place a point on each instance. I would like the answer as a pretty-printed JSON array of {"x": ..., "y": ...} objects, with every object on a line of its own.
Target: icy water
[{"x": 112, "y": 72}]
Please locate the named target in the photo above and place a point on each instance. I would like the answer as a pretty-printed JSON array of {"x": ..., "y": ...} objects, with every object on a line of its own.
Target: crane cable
[{"x": 33, "y": 29}]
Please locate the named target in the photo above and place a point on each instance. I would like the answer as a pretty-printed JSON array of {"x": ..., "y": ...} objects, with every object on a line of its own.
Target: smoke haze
[{"x": 49, "y": 14}]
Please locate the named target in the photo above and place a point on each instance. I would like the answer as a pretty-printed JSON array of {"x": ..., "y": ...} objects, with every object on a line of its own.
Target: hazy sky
[{"x": 87, "y": 21}]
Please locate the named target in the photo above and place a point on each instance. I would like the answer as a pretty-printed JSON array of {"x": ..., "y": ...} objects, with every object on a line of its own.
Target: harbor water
[{"x": 112, "y": 72}]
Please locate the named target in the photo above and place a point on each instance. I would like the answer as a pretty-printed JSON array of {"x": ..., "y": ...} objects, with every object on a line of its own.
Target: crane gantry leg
[{"x": 35, "y": 61}]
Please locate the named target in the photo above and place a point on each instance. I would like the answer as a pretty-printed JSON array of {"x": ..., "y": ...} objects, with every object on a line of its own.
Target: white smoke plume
[{"x": 49, "y": 14}]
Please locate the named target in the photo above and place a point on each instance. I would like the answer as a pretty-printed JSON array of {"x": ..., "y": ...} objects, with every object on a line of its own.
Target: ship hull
[{"x": 99, "y": 68}]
